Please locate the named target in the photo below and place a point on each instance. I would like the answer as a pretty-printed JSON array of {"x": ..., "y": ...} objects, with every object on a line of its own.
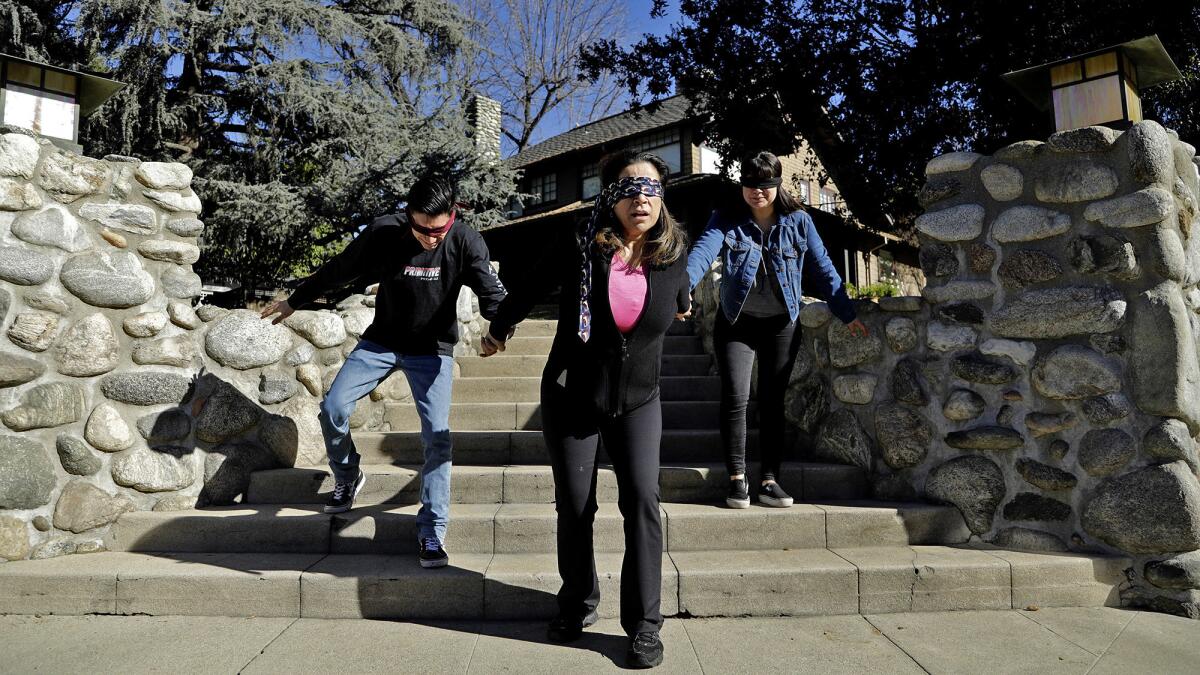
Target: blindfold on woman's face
[{"x": 761, "y": 183}]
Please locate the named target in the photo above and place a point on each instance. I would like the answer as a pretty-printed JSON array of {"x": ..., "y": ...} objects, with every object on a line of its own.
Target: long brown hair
[{"x": 666, "y": 242}]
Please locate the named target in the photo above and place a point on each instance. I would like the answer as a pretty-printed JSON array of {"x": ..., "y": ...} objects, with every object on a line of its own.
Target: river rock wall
[
  {"x": 1047, "y": 382},
  {"x": 118, "y": 392}
]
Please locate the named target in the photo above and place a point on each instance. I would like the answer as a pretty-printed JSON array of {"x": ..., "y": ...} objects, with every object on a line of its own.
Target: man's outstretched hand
[{"x": 280, "y": 307}]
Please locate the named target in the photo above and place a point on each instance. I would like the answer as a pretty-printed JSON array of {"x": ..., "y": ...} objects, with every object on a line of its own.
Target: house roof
[{"x": 611, "y": 128}]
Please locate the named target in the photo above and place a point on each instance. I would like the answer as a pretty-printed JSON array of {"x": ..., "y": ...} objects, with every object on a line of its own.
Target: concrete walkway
[{"x": 1066, "y": 640}]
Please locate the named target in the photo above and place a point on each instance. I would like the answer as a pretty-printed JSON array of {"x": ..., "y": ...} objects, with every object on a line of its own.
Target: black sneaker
[
  {"x": 569, "y": 629},
  {"x": 432, "y": 553},
  {"x": 739, "y": 494},
  {"x": 773, "y": 495},
  {"x": 645, "y": 651},
  {"x": 344, "y": 494}
]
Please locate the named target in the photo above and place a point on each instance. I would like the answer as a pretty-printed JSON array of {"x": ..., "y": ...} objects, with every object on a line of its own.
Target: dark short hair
[
  {"x": 432, "y": 195},
  {"x": 762, "y": 166}
]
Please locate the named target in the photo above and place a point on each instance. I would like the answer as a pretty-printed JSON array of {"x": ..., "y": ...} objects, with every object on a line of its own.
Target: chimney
[{"x": 483, "y": 115}]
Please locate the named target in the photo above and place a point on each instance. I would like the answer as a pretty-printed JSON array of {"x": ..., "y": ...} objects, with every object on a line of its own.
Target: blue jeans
[{"x": 430, "y": 378}]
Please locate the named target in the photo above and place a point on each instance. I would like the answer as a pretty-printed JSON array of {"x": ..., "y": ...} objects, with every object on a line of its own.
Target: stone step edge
[
  {"x": 276, "y": 584},
  {"x": 268, "y": 528},
  {"x": 508, "y": 483}
]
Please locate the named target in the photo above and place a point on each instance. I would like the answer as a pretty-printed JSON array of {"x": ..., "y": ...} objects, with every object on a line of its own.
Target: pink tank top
[{"x": 626, "y": 293}]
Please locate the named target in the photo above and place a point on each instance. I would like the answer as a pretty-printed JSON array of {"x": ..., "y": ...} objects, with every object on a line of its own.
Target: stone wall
[
  {"x": 1046, "y": 383},
  {"x": 117, "y": 394}
]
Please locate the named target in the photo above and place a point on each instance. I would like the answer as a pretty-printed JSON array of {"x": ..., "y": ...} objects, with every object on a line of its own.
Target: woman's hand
[
  {"x": 280, "y": 307},
  {"x": 684, "y": 315},
  {"x": 858, "y": 328},
  {"x": 489, "y": 345}
]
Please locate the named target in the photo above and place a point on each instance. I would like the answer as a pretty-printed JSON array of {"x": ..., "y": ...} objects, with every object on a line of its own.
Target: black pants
[
  {"x": 776, "y": 340},
  {"x": 632, "y": 441}
]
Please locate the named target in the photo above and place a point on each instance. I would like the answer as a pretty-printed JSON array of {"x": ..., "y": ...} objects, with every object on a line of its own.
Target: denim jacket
[{"x": 797, "y": 254}]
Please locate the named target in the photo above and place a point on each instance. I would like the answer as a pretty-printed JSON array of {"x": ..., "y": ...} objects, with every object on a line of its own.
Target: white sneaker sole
[
  {"x": 778, "y": 503},
  {"x": 737, "y": 503},
  {"x": 343, "y": 509},
  {"x": 428, "y": 564}
]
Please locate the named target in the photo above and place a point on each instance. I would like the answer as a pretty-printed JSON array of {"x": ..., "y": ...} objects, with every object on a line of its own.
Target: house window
[
  {"x": 802, "y": 191},
  {"x": 591, "y": 180},
  {"x": 665, "y": 144},
  {"x": 828, "y": 199},
  {"x": 544, "y": 189}
]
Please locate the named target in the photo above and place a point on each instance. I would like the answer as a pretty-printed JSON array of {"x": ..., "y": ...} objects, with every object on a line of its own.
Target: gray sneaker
[
  {"x": 773, "y": 495},
  {"x": 739, "y": 494}
]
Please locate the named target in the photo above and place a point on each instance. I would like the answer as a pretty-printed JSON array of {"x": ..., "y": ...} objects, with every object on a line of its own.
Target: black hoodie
[{"x": 416, "y": 310}]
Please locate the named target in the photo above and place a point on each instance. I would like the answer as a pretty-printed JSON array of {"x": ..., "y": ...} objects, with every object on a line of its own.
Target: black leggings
[
  {"x": 632, "y": 442},
  {"x": 776, "y": 340}
]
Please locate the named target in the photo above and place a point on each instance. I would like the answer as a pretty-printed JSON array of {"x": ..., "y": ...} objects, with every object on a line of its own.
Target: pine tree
[{"x": 302, "y": 119}]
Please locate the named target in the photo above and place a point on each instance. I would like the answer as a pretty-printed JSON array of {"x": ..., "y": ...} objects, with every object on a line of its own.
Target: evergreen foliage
[{"x": 302, "y": 119}]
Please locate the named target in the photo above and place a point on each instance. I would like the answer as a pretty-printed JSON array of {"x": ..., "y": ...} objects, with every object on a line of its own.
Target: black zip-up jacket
[
  {"x": 415, "y": 311},
  {"x": 611, "y": 372}
]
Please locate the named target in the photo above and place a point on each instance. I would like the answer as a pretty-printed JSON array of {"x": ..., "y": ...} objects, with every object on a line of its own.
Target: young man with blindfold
[{"x": 421, "y": 259}]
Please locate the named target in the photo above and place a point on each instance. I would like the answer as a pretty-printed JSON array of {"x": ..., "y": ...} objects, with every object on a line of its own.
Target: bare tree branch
[{"x": 528, "y": 59}]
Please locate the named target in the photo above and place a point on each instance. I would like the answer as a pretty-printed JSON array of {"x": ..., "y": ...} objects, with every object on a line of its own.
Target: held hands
[
  {"x": 858, "y": 328},
  {"x": 489, "y": 345},
  {"x": 280, "y": 307}
]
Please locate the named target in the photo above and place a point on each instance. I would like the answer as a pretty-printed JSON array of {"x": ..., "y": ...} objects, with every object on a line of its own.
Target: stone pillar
[{"x": 1047, "y": 383}]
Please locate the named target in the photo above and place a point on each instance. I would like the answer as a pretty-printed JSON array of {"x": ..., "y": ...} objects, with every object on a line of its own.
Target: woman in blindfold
[
  {"x": 767, "y": 243},
  {"x": 624, "y": 280}
]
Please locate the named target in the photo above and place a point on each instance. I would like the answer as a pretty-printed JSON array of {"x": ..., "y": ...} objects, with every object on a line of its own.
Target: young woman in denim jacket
[{"x": 767, "y": 243}]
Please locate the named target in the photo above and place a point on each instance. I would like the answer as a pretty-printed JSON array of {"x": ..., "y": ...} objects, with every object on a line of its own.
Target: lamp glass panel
[
  {"x": 1088, "y": 103},
  {"x": 1134, "y": 103},
  {"x": 1066, "y": 73},
  {"x": 40, "y": 114},
  {"x": 1101, "y": 64},
  {"x": 23, "y": 73},
  {"x": 1130, "y": 71},
  {"x": 61, "y": 82}
]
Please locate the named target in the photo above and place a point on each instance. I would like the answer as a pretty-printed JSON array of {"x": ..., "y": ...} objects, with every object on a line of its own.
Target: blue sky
[{"x": 639, "y": 23}]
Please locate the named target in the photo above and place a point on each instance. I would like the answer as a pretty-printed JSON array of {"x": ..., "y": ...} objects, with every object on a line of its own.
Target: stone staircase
[{"x": 278, "y": 554}]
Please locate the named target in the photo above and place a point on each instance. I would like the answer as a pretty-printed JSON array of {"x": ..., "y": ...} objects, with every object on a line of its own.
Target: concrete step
[
  {"x": 683, "y": 344},
  {"x": 470, "y": 484},
  {"x": 529, "y": 447},
  {"x": 690, "y": 388},
  {"x": 522, "y": 585},
  {"x": 522, "y": 345},
  {"x": 528, "y": 416},
  {"x": 537, "y": 328},
  {"x": 528, "y": 389},
  {"x": 528, "y": 528},
  {"x": 497, "y": 389},
  {"x": 508, "y": 365}
]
